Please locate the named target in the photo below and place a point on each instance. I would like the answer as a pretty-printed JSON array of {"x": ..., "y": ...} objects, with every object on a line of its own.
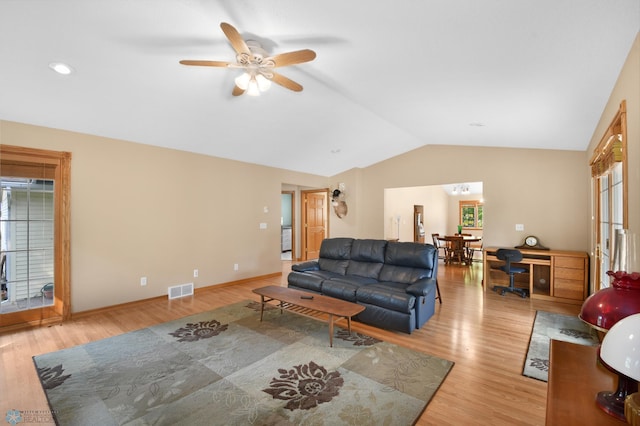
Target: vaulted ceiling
[{"x": 390, "y": 76}]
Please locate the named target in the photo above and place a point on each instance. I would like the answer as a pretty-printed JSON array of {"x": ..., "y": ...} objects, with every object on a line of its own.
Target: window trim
[{"x": 59, "y": 164}]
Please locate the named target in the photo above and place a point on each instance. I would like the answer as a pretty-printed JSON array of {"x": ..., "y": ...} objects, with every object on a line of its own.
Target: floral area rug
[
  {"x": 549, "y": 326},
  {"x": 226, "y": 367}
]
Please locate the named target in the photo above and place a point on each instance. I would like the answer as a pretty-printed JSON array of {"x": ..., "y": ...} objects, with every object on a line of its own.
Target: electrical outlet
[
  {"x": 235, "y": 266},
  {"x": 195, "y": 273},
  {"x": 519, "y": 227},
  {"x": 143, "y": 281}
]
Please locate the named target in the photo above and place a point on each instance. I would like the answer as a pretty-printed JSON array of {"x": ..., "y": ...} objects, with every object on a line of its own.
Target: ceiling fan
[{"x": 258, "y": 66}]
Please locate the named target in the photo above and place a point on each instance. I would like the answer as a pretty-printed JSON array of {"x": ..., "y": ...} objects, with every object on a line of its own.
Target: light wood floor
[{"x": 485, "y": 334}]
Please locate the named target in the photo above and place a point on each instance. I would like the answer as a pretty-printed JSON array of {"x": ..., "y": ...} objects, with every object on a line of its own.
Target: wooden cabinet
[
  {"x": 558, "y": 275},
  {"x": 569, "y": 277}
]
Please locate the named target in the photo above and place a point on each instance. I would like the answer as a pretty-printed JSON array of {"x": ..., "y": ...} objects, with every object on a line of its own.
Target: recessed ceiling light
[{"x": 61, "y": 68}]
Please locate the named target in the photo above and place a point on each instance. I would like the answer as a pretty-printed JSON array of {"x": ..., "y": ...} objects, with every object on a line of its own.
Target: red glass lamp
[{"x": 606, "y": 307}]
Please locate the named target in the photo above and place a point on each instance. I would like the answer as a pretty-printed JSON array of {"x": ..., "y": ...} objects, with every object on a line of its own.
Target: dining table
[{"x": 458, "y": 248}]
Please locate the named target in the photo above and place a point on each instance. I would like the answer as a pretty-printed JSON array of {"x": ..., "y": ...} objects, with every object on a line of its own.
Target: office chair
[{"x": 510, "y": 256}]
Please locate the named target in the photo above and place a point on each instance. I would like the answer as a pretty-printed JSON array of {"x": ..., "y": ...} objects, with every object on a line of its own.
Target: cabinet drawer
[
  {"x": 569, "y": 262},
  {"x": 568, "y": 289},
  {"x": 570, "y": 274}
]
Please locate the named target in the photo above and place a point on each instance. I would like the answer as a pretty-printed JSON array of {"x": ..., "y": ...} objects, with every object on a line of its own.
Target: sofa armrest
[
  {"x": 422, "y": 287},
  {"x": 311, "y": 265}
]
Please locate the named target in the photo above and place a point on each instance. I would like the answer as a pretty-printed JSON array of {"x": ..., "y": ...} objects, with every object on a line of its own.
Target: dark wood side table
[{"x": 575, "y": 377}]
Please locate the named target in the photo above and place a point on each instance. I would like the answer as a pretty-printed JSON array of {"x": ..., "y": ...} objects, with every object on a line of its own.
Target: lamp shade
[
  {"x": 606, "y": 307},
  {"x": 621, "y": 347}
]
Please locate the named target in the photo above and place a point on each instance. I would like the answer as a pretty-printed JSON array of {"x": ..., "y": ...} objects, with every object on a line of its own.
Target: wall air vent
[{"x": 180, "y": 290}]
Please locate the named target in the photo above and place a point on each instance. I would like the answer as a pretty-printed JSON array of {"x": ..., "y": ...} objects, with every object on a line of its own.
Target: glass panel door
[
  {"x": 26, "y": 243},
  {"x": 611, "y": 213}
]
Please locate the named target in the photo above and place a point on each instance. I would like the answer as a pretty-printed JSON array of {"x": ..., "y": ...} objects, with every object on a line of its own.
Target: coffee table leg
[
  {"x": 331, "y": 330},
  {"x": 261, "y": 307},
  {"x": 349, "y": 324}
]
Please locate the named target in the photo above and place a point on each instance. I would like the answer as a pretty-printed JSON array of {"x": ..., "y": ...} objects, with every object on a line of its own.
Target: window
[{"x": 471, "y": 214}]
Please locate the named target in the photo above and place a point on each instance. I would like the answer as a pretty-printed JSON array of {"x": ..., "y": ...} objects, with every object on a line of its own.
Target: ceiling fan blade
[
  {"x": 205, "y": 63},
  {"x": 291, "y": 58},
  {"x": 237, "y": 91},
  {"x": 237, "y": 42},
  {"x": 286, "y": 82}
]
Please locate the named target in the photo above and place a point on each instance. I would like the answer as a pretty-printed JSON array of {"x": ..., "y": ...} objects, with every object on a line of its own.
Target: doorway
[
  {"x": 288, "y": 226},
  {"x": 315, "y": 222},
  {"x": 440, "y": 210},
  {"x": 35, "y": 236},
  {"x": 418, "y": 224}
]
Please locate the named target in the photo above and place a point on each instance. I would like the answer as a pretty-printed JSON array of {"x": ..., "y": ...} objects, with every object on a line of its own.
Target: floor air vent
[{"x": 180, "y": 290}]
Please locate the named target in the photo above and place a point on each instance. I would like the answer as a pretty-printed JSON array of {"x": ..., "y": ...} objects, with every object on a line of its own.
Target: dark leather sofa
[{"x": 394, "y": 281}]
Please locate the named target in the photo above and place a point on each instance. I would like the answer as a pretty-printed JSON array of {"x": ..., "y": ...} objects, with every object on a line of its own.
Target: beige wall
[
  {"x": 400, "y": 202},
  {"x": 138, "y": 210},
  {"x": 543, "y": 189}
]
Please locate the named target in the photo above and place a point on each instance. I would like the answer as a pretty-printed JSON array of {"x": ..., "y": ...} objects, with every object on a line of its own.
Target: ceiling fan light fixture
[
  {"x": 253, "y": 89},
  {"x": 263, "y": 83},
  {"x": 253, "y": 84},
  {"x": 257, "y": 64},
  {"x": 242, "y": 81}
]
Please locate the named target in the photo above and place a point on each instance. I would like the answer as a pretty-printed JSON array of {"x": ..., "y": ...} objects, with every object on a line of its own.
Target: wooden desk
[
  {"x": 575, "y": 377},
  {"x": 558, "y": 275}
]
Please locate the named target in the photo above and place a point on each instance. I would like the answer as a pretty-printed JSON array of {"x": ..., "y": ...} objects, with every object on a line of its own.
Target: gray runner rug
[{"x": 549, "y": 326}]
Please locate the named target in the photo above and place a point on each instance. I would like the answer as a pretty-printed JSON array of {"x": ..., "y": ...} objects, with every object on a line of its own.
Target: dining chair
[
  {"x": 471, "y": 250},
  {"x": 455, "y": 249},
  {"x": 438, "y": 244}
]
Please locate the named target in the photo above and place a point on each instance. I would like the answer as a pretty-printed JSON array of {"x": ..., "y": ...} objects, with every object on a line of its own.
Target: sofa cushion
[
  {"x": 413, "y": 255},
  {"x": 367, "y": 257},
  {"x": 345, "y": 287},
  {"x": 305, "y": 281},
  {"x": 389, "y": 295},
  {"x": 335, "y": 254},
  {"x": 408, "y": 262},
  {"x": 402, "y": 274}
]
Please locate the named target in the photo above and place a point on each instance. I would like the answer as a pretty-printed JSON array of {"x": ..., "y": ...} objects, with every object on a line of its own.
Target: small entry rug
[
  {"x": 549, "y": 326},
  {"x": 225, "y": 367}
]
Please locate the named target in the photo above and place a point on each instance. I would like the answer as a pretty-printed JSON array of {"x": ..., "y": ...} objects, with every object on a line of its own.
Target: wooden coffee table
[{"x": 312, "y": 305}]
